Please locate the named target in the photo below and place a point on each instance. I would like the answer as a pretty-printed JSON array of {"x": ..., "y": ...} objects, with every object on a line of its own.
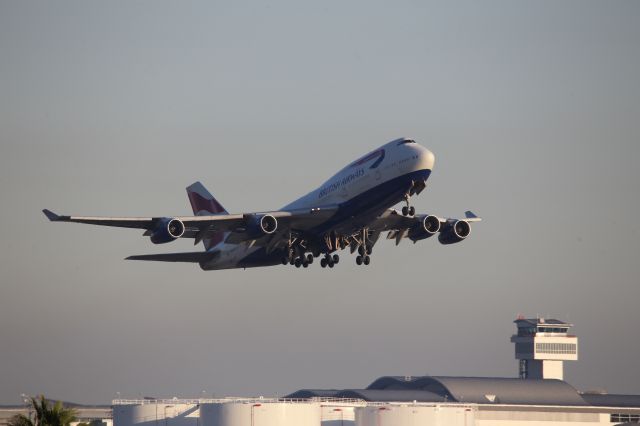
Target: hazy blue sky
[{"x": 112, "y": 108}]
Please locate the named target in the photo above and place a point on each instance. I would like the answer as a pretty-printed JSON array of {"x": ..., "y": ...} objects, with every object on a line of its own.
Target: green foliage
[
  {"x": 19, "y": 420},
  {"x": 45, "y": 414}
]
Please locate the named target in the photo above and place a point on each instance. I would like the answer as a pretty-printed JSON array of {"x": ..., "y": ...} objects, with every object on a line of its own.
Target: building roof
[
  {"x": 542, "y": 321},
  {"x": 612, "y": 400},
  {"x": 314, "y": 393},
  {"x": 392, "y": 395},
  {"x": 486, "y": 390}
]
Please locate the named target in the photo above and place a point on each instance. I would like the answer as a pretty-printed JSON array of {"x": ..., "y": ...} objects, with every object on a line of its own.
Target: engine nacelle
[
  {"x": 259, "y": 225},
  {"x": 427, "y": 227},
  {"x": 454, "y": 232},
  {"x": 167, "y": 230}
]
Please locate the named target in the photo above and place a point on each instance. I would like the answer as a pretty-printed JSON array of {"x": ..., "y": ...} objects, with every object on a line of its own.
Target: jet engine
[
  {"x": 258, "y": 225},
  {"x": 426, "y": 228},
  {"x": 454, "y": 232},
  {"x": 167, "y": 230}
]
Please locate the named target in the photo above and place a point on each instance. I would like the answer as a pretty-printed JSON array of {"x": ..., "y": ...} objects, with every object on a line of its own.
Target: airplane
[{"x": 350, "y": 210}]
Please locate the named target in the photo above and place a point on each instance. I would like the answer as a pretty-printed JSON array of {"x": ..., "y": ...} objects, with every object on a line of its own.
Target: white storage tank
[
  {"x": 415, "y": 414},
  {"x": 156, "y": 413},
  {"x": 260, "y": 413},
  {"x": 337, "y": 413}
]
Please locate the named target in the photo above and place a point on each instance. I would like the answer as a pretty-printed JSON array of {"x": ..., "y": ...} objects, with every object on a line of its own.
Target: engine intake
[
  {"x": 167, "y": 230},
  {"x": 258, "y": 225},
  {"x": 427, "y": 227},
  {"x": 454, "y": 232}
]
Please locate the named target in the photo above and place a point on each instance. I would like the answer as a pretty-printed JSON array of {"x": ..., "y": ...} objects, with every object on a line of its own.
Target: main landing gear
[
  {"x": 295, "y": 254},
  {"x": 329, "y": 260},
  {"x": 364, "y": 248},
  {"x": 363, "y": 255},
  {"x": 298, "y": 261}
]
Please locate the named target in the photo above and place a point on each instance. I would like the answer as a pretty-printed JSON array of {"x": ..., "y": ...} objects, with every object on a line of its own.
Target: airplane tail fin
[{"x": 203, "y": 203}]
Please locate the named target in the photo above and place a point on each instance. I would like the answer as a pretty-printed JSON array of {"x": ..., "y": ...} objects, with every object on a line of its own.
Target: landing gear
[
  {"x": 329, "y": 260},
  {"x": 408, "y": 210},
  {"x": 363, "y": 250}
]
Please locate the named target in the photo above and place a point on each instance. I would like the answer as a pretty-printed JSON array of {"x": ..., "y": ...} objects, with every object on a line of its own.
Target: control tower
[{"x": 542, "y": 345}]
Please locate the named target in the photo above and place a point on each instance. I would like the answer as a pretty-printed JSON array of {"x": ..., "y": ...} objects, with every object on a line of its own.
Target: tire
[
  {"x": 405, "y": 211},
  {"x": 412, "y": 211},
  {"x": 359, "y": 260},
  {"x": 367, "y": 260},
  {"x": 305, "y": 264},
  {"x": 336, "y": 258},
  {"x": 285, "y": 260},
  {"x": 330, "y": 264},
  {"x": 297, "y": 262},
  {"x": 323, "y": 262},
  {"x": 310, "y": 258},
  {"x": 361, "y": 251}
]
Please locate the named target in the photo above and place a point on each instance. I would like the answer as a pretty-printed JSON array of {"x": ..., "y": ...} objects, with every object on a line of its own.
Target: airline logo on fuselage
[{"x": 340, "y": 183}]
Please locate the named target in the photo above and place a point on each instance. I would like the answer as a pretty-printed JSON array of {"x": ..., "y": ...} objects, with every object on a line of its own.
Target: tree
[{"x": 45, "y": 414}]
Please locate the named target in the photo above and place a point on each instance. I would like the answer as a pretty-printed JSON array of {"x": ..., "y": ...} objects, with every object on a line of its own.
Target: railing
[{"x": 236, "y": 400}]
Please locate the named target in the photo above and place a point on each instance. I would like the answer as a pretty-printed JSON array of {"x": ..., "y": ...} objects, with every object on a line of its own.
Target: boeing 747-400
[{"x": 350, "y": 210}]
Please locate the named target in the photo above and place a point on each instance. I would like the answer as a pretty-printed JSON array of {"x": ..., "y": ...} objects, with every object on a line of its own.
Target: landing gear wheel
[
  {"x": 309, "y": 258},
  {"x": 412, "y": 211},
  {"x": 285, "y": 260},
  {"x": 305, "y": 264},
  {"x": 330, "y": 264},
  {"x": 369, "y": 249},
  {"x": 297, "y": 262},
  {"x": 323, "y": 262},
  {"x": 359, "y": 260},
  {"x": 405, "y": 211},
  {"x": 361, "y": 251},
  {"x": 336, "y": 258},
  {"x": 367, "y": 260}
]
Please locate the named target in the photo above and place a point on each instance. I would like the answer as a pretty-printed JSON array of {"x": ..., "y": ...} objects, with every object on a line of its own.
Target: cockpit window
[{"x": 405, "y": 141}]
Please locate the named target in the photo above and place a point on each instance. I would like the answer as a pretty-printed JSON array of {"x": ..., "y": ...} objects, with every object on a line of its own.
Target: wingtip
[
  {"x": 471, "y": 215},
  {"x": 50, "y": 215}
]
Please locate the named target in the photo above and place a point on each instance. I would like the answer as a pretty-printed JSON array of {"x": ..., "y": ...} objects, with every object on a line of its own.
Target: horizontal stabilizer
[{"x": 191, "y": 257}]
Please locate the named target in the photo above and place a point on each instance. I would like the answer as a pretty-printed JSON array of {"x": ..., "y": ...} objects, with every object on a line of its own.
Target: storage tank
[
  {"x": 156, "y": 413},
  {"x": 260, "y": 413},
  {"x": 337, "y": 413},
  {"x": 415, "y": 414}
]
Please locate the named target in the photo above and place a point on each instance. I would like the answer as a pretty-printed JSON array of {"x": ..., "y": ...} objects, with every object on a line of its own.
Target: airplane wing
[
  {"x": 423, "y": 226},
  {"x": 191, "y": 257},
  {"x": 241, "y": 226}
]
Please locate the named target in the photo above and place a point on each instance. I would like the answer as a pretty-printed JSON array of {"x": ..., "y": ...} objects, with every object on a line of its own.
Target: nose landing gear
[{"x": 408, "y": 210}]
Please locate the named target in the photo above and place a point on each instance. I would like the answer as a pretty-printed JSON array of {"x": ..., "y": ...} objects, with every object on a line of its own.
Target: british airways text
[{"x": 338, "y": 184}]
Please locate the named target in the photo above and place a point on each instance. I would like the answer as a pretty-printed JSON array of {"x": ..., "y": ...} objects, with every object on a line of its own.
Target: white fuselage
[{"x": 387, "y": 170}]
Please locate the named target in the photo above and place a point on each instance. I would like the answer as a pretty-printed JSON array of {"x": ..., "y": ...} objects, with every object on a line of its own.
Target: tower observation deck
[{"x": 541, "y": 346}]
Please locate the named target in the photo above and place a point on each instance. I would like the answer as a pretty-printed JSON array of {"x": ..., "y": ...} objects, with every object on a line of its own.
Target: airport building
[{"x": 538, "y": 396}]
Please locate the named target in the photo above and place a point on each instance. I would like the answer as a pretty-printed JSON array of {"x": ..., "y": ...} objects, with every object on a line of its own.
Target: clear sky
[{"x": 112, "y": 108}]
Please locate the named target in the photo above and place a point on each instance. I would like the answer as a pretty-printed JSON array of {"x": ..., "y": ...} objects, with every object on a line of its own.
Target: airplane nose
[{"x": 427, "y": 159}]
